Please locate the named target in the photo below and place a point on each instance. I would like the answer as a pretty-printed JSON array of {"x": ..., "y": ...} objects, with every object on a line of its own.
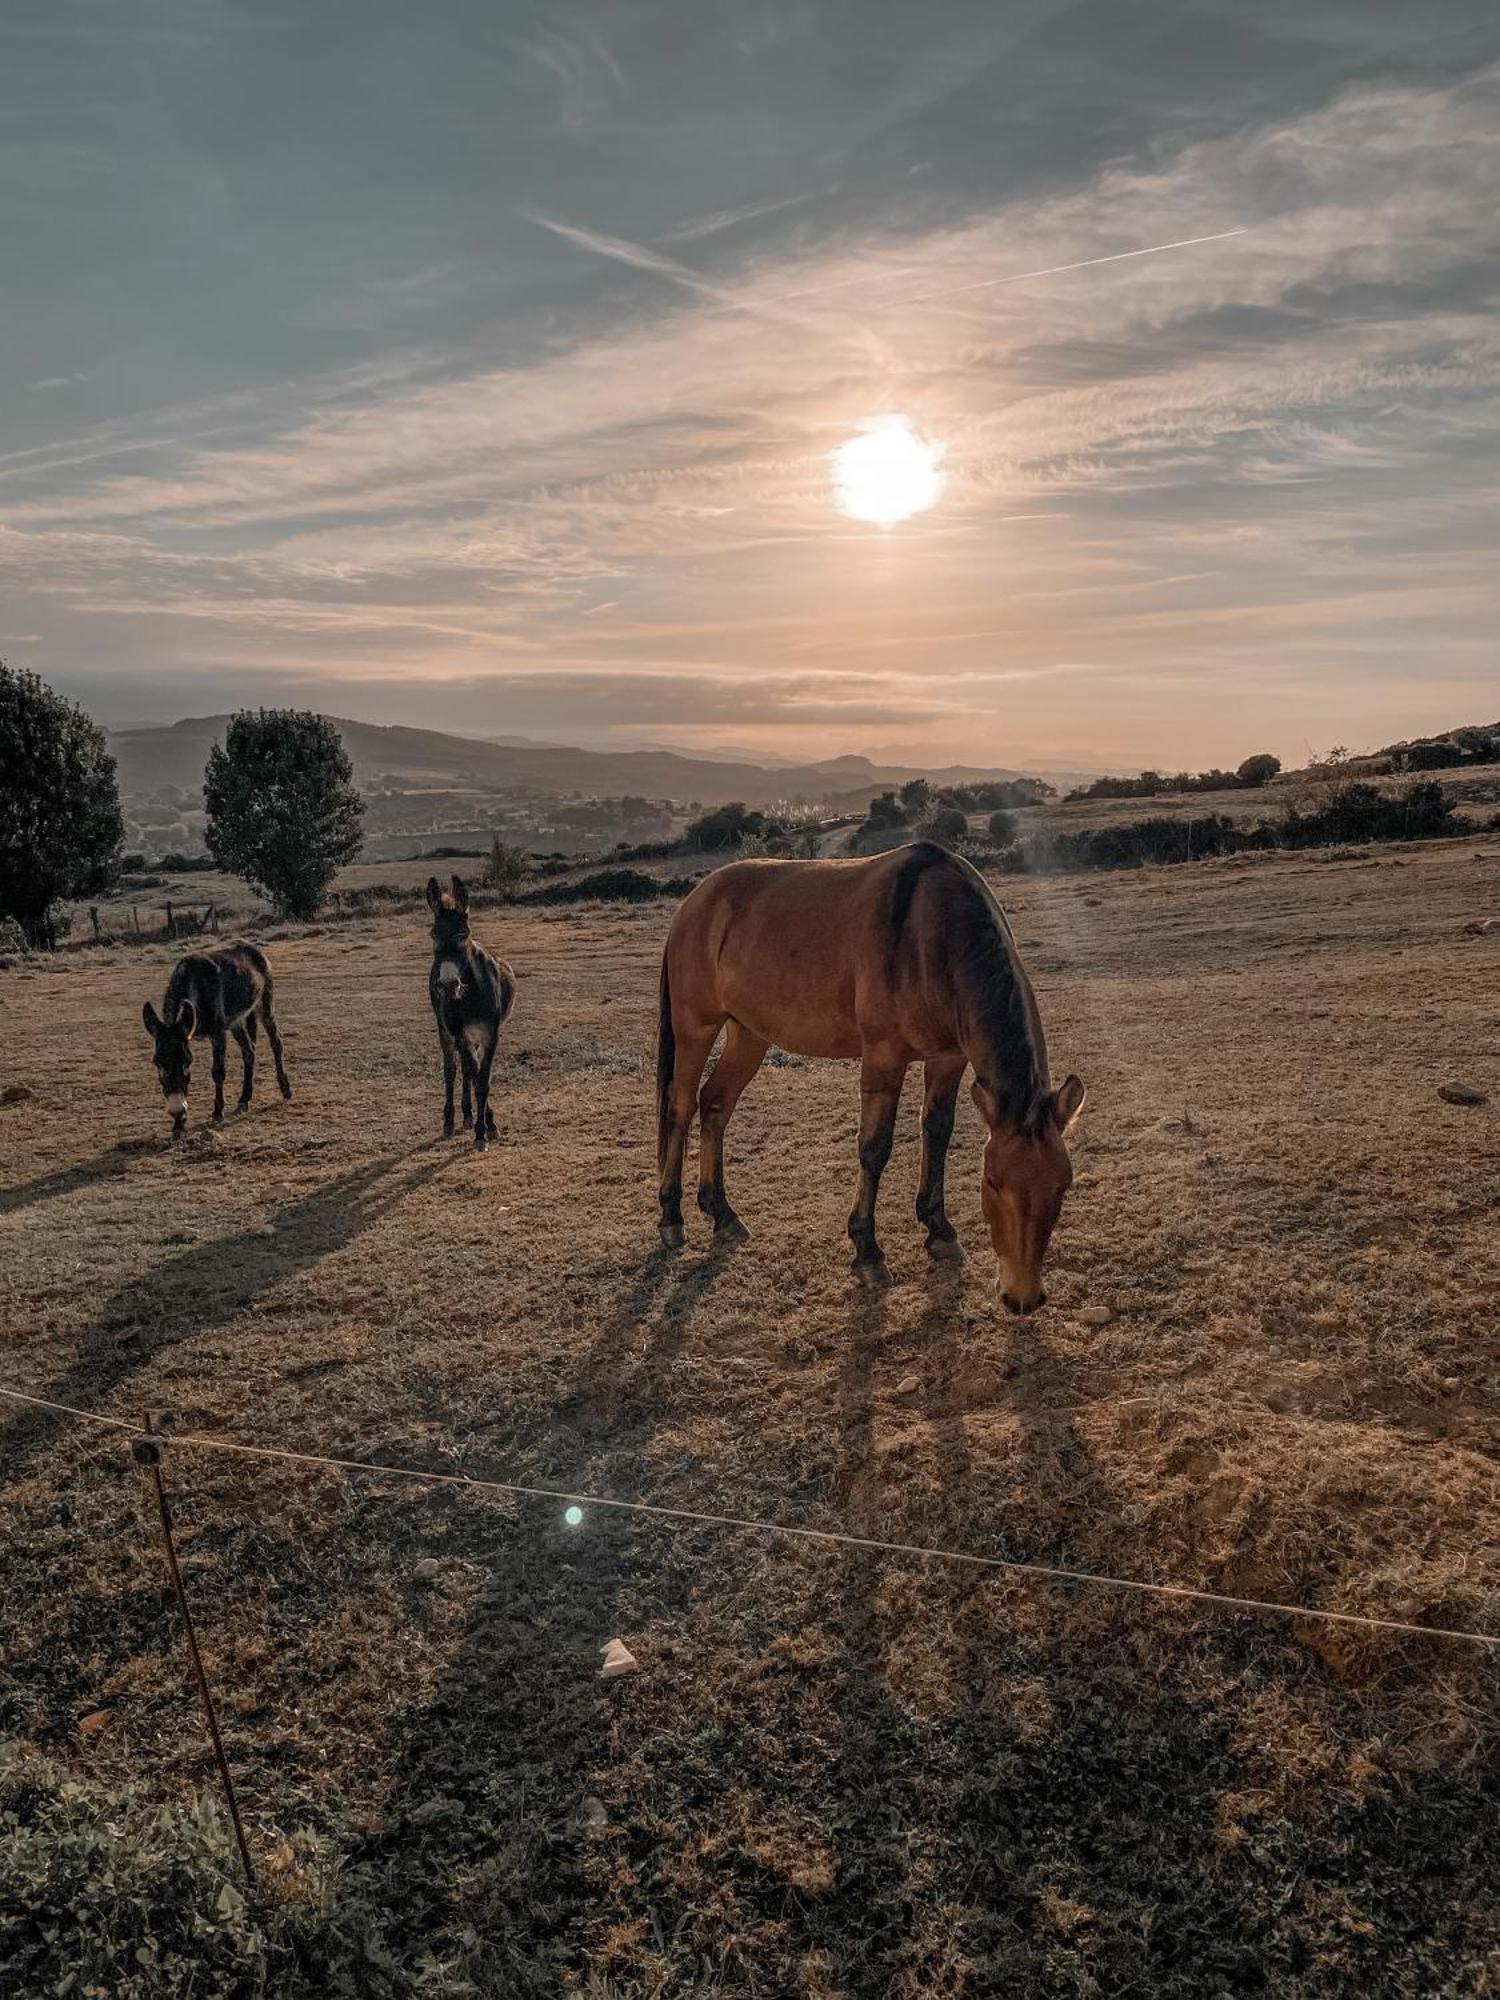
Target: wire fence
[{"x": 832, "y": 1537}]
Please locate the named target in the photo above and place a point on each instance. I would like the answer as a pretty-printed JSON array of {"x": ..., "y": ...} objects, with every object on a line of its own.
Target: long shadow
[
  {"x": 207, "y": 1285},
  {"x": 67, "y": 1180},
  {"x": 489, "y": 1790}
]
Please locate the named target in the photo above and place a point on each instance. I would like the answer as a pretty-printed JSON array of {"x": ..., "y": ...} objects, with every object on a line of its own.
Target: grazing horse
[
  {"x": 905, "y": 957},
  {"x": 471, "y": 995},
  {"x": 210, "y": 996}
]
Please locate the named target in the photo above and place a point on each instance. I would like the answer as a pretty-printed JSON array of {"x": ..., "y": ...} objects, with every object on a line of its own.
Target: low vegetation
[{"x": 1250, "y": 775}]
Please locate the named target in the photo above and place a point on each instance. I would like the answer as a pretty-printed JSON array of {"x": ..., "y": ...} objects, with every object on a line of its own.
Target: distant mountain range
[{"x": 414, "y": 759}]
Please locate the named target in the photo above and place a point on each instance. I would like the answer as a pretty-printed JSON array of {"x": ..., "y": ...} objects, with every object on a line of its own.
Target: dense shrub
[
  {"x": 727, "y": 826},
  {"x": 1258, "y": 770},
  {"x": 946, "y": 824},
  {"x": 507, "y": 869},
  {"x": 610, "y": 885},
  {"x": 1357, "y": 811},
  {"x": 1001, "y": 828},
  {"x": 1432, "y": 754},
  {"x": 283, "y": 812},
  {"x": 60, "y": 826},
  {"x": 1142, "y": 841}
]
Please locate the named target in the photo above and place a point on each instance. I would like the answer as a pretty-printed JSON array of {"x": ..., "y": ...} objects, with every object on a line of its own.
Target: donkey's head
[
  {"x": 1026, "y": 1174},
  {"x": 450, "y": 932},
  {"x": 173, "y": 1056}
]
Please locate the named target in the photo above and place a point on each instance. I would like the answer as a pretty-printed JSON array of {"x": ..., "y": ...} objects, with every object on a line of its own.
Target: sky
[{"x": 483, "y": 366}]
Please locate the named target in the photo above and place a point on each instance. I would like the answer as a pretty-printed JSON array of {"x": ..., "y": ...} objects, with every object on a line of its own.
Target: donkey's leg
[
  {"x": 941, "y": 1079},
  {"x": 743, "y": 1055},
  {"x": 484, "y": 1118},
  {"x": 220, "y": 1044},
  {"x": 691, "y": 1053},
  {"x": 273, "y": 1036},
  {"x": 880, "y": 1081},
  {"x": 244, "y": 1036},
  {"x": 450, "y": 1070}
]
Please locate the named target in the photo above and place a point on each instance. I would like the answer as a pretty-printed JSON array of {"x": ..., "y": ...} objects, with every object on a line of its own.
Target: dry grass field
[{"x": 836, "y": 1773}]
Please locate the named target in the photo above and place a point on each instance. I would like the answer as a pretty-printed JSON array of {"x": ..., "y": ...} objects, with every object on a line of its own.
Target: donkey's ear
[
  {"x": 1068, "y": 1101},
  {"x": 434, "y": 893},
  {"x": 186, "y": 1019},
  {"x": 460, "y": 894},
  {"x": 151, "y": 1018}
]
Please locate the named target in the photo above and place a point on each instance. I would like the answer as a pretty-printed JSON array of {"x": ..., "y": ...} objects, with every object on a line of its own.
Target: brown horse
[{"x": 902, "y": 958}]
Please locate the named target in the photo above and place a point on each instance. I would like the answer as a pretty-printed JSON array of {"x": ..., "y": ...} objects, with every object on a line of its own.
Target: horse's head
[
  {"x": 450, "y": 932},
  {"x": 173, "y": 1056},
  {"x": 1026, "y": 1174}
]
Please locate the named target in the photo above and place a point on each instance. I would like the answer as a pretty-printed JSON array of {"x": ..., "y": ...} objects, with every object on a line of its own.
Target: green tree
[
  {"x": 283, "y": 813},
  {"x": 507, "y": 868},
  {"x": 60, "y": 825},
  {"x": 1259, "y": 769},
  {"x": 946, "y": 825},
  {"x": 727, "y": 826},
  {"x": 915, "y": 795}
]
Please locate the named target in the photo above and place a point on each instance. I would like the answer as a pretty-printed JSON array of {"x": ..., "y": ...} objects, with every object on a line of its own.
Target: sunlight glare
[{"x": 887, "y": 473}]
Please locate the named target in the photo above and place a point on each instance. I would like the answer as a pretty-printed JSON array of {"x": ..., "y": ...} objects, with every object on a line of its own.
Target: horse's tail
[{"x": 666, "y": 1062}]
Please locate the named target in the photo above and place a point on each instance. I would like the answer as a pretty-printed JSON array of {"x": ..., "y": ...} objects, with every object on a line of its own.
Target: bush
[
  {"x": 1001, "y": 828},
  {"x": 727, "y": 826},
  {"x": 283, "y": 813},
  {"x": 1258, "y": 770},
  {"x": 60, "y": 826},
  {"x": 1433, "y": 754},
  {"x": 946, "y": 825},
  {"x": 13, "y": 940},
  {"x": 608, "y": 885},
  {"x": 508, "y": 868}
]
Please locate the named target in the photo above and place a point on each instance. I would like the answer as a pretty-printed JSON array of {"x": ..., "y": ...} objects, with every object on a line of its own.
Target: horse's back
[{"x": 811, "y": 955}]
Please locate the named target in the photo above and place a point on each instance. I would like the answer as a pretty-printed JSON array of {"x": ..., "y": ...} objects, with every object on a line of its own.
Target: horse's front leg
[
  {"x": 880, "y": 1081},
  {"x": 941, "y": 1079},
  {"x": 220, "y": 1046}
]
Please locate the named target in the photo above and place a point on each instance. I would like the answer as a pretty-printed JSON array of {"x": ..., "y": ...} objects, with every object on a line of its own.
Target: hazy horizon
[{"x": 486, "y": 371}]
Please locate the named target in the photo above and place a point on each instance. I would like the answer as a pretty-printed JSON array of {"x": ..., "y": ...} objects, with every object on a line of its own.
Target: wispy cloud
[{"x": 1279, "y": 440}]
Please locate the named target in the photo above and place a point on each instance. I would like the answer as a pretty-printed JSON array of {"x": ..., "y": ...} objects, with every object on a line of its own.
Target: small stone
[
  {"x": 595, "y": 1817},
  {"x": 17, "y": 1093},
  {"x": 1096, "y": 1315},
  {"x": 433, "y": 1810},
  {"x": 618, "y": 1659},
  {"x": 90, "y": 1725},
  {"x": 1461, "y": 1093},
  {"x": 908, "y": 1385},
  {"x": 428, "y": 1570}
]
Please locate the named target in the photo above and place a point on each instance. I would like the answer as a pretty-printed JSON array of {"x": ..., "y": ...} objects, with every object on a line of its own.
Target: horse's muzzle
[{"x": 1021, "y": 1307}]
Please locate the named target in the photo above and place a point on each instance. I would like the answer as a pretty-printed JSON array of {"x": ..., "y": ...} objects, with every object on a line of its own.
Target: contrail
[{"x": 1052, "y": 270}]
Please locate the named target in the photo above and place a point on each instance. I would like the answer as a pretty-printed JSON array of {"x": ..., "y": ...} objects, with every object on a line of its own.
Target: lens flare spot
[{"x": 574, "y": 1517}]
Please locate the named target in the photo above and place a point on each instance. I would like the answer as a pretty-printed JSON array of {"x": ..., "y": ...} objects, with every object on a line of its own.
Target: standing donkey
[
  {"x": 471, "y": 995},
  {"x": 210, "y": 996}
]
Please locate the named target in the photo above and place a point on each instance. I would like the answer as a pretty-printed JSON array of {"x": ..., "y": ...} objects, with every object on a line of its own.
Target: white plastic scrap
[{"x": 618, "y": 1659}]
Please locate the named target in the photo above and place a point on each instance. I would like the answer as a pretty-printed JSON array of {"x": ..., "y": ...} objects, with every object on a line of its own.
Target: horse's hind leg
[
  {"x": 689, "y": 1055},
  {"x": 273, "y": 1036},
  {"x": 942, "y": 1079},
  {"x": 743, "y": 1055},
  {"x": 244, "y": 1036},
  {"x": 880, "y": 1084}
]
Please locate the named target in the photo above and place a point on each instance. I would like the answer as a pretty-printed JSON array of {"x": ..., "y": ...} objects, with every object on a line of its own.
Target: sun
[{"x": 887, "y": 473}]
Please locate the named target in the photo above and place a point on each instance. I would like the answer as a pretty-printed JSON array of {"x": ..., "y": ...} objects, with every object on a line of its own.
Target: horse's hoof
[
  {"x": 873, "y": 1272},
  {"x": 730, "y": 1230},
  {"x": 673, "y": 1236},
  {"x": 286, "y": 1092},
  {"x": 447, "y": 1128},
  {"x": 481, "y": 1144},
  {"x": 945, "y": 1249}
]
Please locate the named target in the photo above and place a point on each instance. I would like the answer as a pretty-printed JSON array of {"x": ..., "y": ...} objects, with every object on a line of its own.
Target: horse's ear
[
  {"x": 434, "y": 893},
  {"x": 1068, "y": 1101},
  {"x": 186, "y": 1020},
  {"x": 460, "y": 894},
  {"x": 151, "y": 1018}
]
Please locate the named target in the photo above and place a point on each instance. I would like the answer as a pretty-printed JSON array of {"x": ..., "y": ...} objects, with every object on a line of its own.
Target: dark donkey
[
  {"x": 210, "y": 996},
  {"x": 471, "y": 995}
]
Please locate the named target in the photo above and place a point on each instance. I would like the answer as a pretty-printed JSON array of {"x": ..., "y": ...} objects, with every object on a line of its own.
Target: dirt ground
[{"x": 836, "y": 1773}]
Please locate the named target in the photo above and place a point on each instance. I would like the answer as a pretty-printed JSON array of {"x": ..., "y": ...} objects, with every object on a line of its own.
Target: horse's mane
[{"x": 1001, "y": 1029}]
